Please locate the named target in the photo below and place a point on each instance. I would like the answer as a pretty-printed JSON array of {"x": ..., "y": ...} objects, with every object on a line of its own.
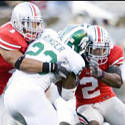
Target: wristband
[
  {"x": 18, "y": 62},
  {"x": 49, "y": 67},
  {"x": 45, "y": 67},
  {"x": 53, "y": 67}
]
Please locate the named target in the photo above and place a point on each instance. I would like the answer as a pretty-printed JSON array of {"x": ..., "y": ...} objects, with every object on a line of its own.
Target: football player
[
  {"x": 95, "y": 99},
  {"x": 101, "y": 59},
  {"x": 25, "y": 95},
  {"x": 25, "y": 26},
  {"x": 63, "y": 97}
]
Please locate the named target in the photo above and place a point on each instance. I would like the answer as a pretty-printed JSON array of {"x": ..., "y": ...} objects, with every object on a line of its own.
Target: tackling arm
[
  {"x": 113, "y": 77},
  {"x": 16, "y": 59},
  {"x": 28, "y": 65}
]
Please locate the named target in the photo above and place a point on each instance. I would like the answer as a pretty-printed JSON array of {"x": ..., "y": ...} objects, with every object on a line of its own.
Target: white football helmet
[
  {"x": 99, "y": 44},
  {"x": 26, "y": 19}
]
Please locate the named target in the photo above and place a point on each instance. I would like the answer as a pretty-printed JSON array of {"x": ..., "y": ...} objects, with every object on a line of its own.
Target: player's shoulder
[
  {"x": 117, "y": 47},
  {"x": 117, "y": 51},
  {"x": 9, "y": 38},
  {"x": 7, "y": 30},
  {"x": 116, "y": 55}
]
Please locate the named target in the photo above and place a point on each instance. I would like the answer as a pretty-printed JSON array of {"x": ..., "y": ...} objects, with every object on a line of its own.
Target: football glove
[
  {"x": 61, "y": 70},
  {"x": 58, "y": 68},
  {"x": 95, "y": 70}
]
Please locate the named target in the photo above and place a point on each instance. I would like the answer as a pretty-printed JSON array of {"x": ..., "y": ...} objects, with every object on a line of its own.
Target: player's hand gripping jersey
[
  {"x": 49, "y": 48},
  {"x": 10, "y": 39},
  {"x": 90, "y": 89}
]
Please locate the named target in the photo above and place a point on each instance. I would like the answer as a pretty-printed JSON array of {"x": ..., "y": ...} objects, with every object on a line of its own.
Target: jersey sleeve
[
  {"x": 10, "y": 39},
  {"x": 116, "y": 56},
  {"x": 8, "y": 42}
]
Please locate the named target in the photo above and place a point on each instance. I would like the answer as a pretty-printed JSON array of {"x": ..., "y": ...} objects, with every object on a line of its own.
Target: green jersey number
[{"x": 40, "y": 47}]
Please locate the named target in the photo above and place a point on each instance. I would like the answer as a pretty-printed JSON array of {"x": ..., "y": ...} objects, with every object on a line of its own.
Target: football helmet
[
  {"x": 99, "y": 44},
  {"x": 75, "y": 36},
  {"x": 26, "y": 19}
]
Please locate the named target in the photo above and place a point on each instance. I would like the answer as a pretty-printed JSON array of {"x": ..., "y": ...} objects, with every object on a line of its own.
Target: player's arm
[
  {"x": 18, "y": 60},
  {"x": 27, "y": 64},
  {"x": 111, "y": 77}
]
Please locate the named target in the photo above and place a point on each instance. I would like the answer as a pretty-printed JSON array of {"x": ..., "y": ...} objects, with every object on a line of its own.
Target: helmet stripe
[
  {"x": 99, "y": 34},
  {"x": 33, "y": 9}
]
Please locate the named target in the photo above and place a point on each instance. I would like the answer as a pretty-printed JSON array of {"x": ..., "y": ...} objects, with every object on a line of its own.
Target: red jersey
[
  {"x": 90, "y": 89},
  {"x": 10, "y": 39}
]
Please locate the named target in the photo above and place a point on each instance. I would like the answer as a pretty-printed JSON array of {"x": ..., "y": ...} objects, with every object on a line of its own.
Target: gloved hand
[
  {"x": 95, "y": 70},
  {"x": 61, "y": 70}
]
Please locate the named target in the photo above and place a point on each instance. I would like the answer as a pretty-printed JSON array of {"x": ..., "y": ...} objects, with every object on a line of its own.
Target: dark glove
[
  {"x": 61, "y": 70},
  {"x": 57, "y": 68},
  {"x": 95, "y": 70}
]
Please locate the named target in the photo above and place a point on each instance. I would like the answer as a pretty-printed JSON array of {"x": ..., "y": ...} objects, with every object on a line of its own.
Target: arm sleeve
[{"x": 115, "y": 69}]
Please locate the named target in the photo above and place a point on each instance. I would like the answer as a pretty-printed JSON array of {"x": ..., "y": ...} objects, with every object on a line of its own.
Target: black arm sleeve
[{"x": 115, "y": 69}]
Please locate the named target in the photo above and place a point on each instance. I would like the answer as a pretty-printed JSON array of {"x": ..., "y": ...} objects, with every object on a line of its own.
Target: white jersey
[{"x": 49, "y": 48}]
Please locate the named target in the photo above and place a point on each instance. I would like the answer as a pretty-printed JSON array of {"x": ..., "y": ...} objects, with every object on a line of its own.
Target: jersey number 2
[{"x": 89, "y": 91}]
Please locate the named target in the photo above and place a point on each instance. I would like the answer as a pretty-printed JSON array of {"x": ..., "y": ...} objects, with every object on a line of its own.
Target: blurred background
[{"x": 57, "y": 14}]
